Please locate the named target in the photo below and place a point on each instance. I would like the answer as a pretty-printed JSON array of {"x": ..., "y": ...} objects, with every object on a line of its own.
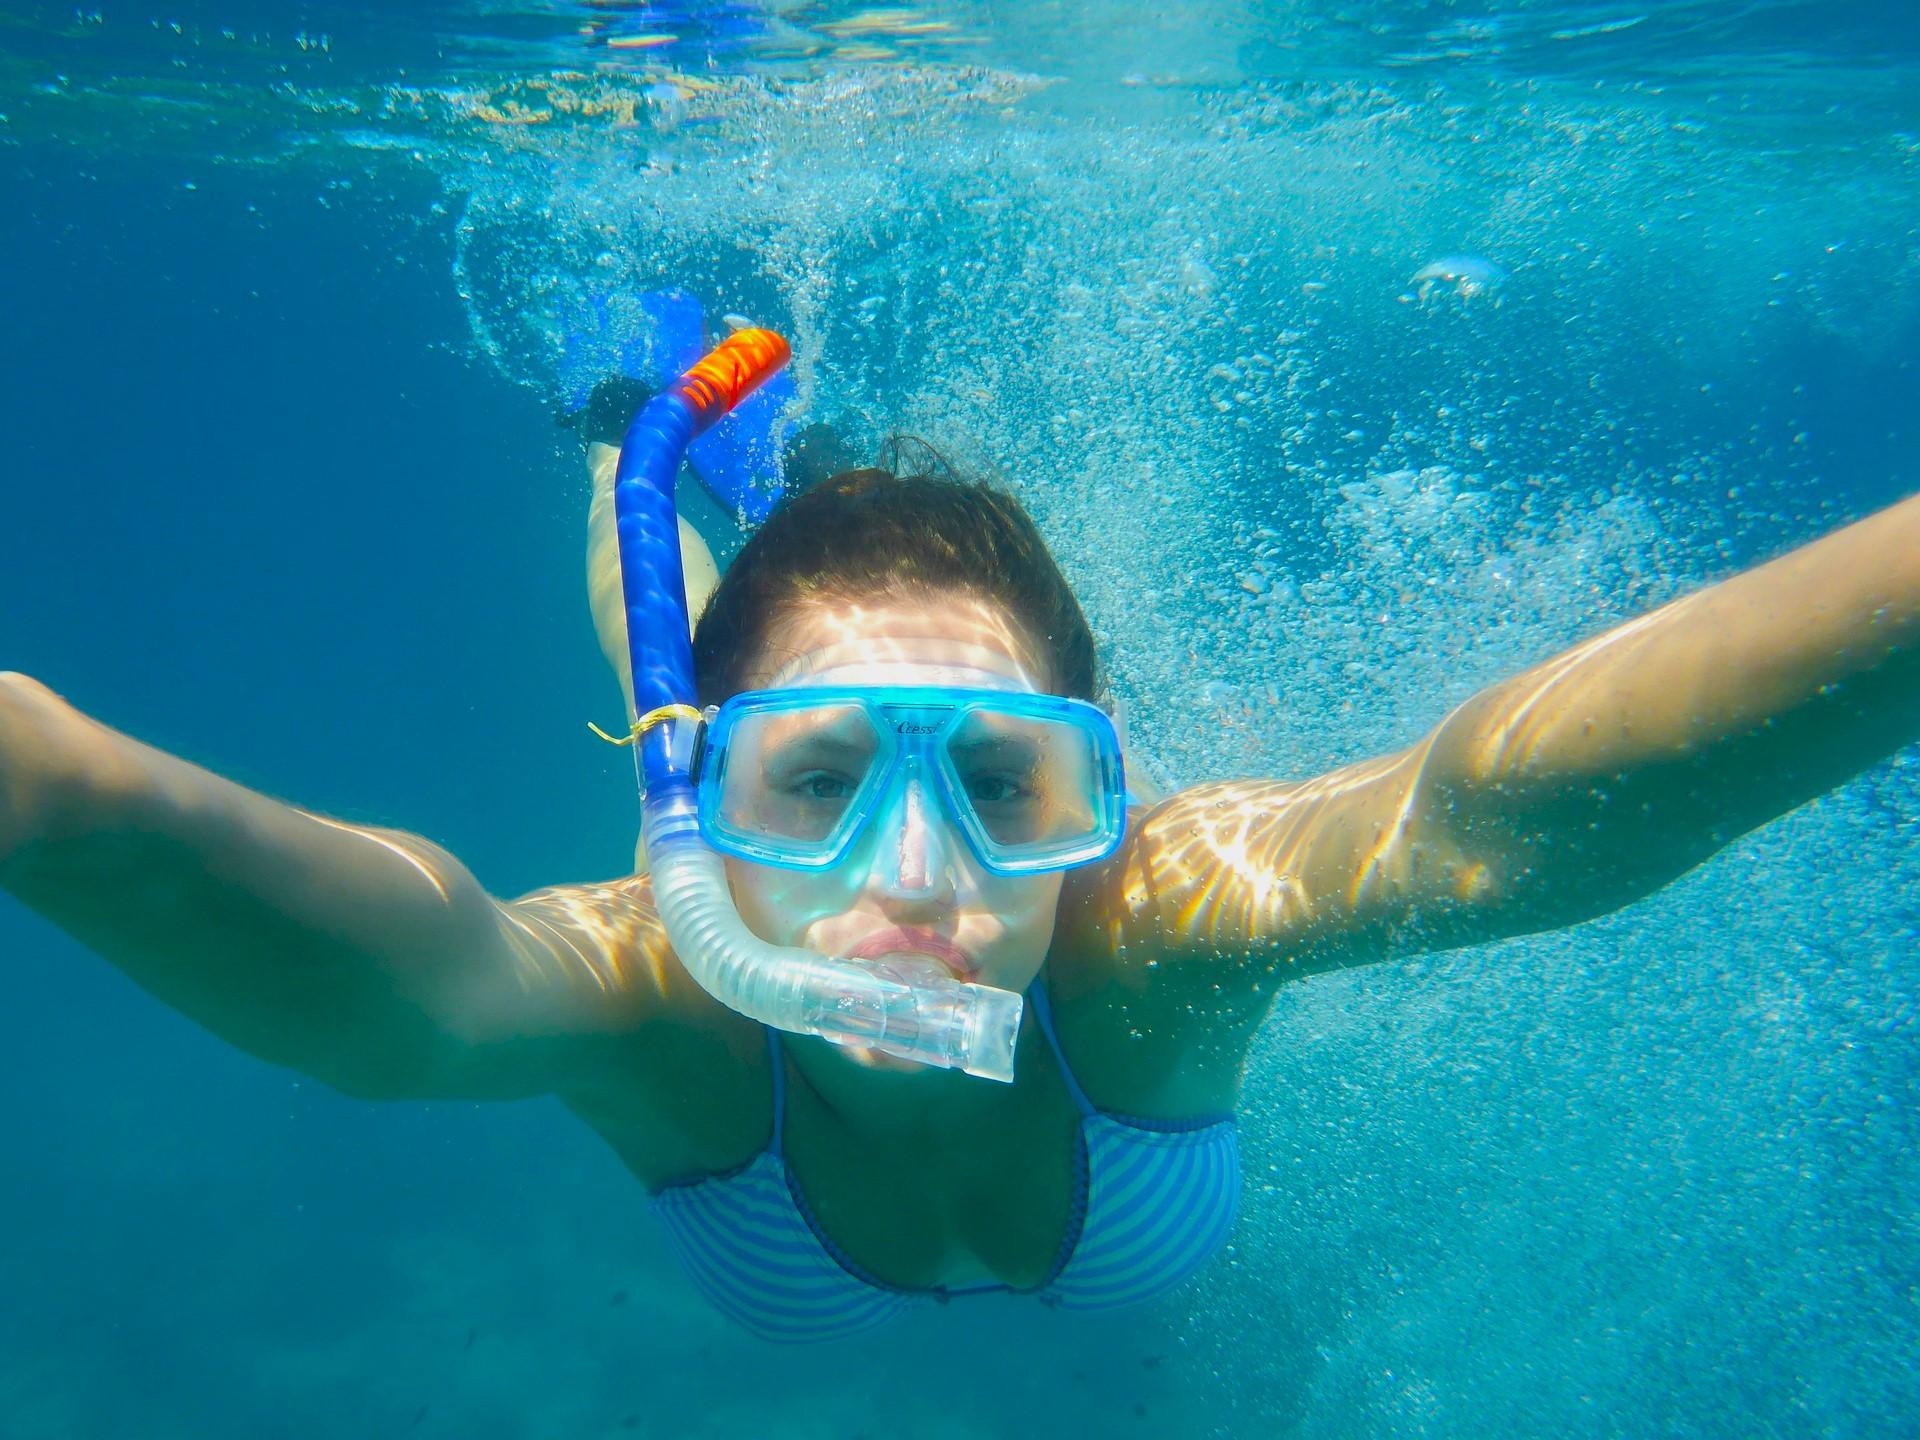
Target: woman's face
[{"x": 910, "y": 885}]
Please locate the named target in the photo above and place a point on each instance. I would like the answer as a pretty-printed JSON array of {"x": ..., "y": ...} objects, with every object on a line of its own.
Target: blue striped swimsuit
[{"x": 1153, "y": 1200}]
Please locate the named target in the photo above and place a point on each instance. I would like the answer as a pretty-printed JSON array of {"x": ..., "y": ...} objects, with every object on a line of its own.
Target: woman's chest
[
  {"x": 959, "y": 1206},
  {"x": 951, "y": 1199}
]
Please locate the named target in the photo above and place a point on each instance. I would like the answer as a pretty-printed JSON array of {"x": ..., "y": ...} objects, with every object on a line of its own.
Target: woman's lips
[{"x": 916, "y": 942}]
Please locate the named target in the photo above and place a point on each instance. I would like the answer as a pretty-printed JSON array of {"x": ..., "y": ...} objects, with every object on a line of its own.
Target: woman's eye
[
  {"x": 824, "y": 787},
  {"x": 994, "y": 790}
]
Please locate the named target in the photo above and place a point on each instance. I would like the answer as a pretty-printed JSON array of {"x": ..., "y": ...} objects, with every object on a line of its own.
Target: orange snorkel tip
[{"x": 730, "y": 372}]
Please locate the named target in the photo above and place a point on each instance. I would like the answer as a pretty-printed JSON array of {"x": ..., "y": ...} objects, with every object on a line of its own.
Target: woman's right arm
[{"x": 369, "y": 959}]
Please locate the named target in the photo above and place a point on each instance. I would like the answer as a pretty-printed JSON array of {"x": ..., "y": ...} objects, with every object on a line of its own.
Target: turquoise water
[{"x": 1351, "y": 356}]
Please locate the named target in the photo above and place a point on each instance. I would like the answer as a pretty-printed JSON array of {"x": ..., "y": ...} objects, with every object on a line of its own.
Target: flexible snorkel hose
[{"x": 904, "y": 1007}]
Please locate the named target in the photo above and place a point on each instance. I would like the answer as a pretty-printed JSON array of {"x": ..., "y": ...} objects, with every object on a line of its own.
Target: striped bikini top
[{"x": 1152, "y": 1201}]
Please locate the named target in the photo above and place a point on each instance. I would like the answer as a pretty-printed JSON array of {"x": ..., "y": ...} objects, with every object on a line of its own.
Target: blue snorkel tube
[{"x": 901, "y": 1006}]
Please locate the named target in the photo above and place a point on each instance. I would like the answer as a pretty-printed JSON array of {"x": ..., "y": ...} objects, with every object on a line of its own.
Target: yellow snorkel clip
[{"x": 659, "y": 715}]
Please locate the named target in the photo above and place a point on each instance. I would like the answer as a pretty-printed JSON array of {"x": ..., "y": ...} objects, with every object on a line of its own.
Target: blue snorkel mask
[
  {"x": 794, "y": 778},
  {"x": 1034, "y": 782}
]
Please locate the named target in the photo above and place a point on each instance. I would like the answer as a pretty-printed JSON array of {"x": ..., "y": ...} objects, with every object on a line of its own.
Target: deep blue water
[{"x": 282, "y": 493}]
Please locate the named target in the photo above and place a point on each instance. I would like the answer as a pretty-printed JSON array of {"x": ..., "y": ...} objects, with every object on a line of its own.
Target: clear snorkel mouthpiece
[
  {"x": 917, "y": 1012},
  {"x": 897, "y": 1005}
]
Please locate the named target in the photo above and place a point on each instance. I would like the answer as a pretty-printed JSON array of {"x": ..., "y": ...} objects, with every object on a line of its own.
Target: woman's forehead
[{"x": 950, "y": 639}]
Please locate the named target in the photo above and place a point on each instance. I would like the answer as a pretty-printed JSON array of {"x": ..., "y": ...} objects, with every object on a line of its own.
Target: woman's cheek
[
  {"x": 1023, "y": 910},
  {"x": 779, "y": 905}
]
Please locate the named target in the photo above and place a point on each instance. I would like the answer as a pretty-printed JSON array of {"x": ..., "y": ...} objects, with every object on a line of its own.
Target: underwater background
[{"x": 1351, "y": 355}]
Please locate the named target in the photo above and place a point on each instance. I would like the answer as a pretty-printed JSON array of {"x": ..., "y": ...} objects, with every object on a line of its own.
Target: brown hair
[{"x": 878, "y": 530}]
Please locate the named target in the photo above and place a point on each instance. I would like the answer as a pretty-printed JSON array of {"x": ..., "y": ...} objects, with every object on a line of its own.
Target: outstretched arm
[
  {"x": 368, "y": 958},
  {"x": 1563, "y": 793},
  {"x": 1596, "y": 778}
]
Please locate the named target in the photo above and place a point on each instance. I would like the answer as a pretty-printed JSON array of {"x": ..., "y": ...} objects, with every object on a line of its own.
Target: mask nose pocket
[{"x": 913, "y": 856}]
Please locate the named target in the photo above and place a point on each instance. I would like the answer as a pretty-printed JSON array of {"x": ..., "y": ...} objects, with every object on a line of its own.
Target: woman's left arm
[
  {"x": 1561, "y": 794},
  {"x": 1600, "y": 776}
]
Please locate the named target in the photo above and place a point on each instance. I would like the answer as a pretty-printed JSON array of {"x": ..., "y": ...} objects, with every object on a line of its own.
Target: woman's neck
[{"x": 870, "y": 1100}]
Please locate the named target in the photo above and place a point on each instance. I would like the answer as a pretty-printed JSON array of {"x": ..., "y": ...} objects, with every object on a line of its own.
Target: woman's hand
[{"x": 35, "y": 726}]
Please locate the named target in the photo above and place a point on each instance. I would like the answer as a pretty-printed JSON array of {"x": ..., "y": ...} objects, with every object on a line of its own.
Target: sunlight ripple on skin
[
  {"x": 612, "y": 937},
  {"x": 1511, "y": 743},
  {"x": 1223, "y": 862},
  {"x": 389, "y": 845}
]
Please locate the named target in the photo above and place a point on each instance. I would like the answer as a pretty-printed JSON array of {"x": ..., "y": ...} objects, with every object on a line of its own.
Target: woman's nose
[{"x": 914, "y": 860}]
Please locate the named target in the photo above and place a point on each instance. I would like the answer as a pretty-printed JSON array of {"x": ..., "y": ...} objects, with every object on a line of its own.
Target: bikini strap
[
  {"x": 776, "y": 1057},
  {"x": 1043, "y": 1012}
]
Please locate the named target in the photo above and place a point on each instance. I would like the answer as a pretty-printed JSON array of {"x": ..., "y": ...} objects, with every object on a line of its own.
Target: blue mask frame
[{"x": 913, "y": 725}]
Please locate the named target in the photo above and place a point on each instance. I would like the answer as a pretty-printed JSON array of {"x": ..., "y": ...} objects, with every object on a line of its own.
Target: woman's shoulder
[
  {"x": 676, "y": 1082},
  {"x": 1163, "y": 960},
  {"x": 1138, "y": 1019},
  {"x": 689, "y": 1101}
]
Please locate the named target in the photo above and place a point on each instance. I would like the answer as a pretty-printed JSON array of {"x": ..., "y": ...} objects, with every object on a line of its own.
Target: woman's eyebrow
[
  {"x": 1015, "y": 744},
  {"x": 816, "y": 742}
]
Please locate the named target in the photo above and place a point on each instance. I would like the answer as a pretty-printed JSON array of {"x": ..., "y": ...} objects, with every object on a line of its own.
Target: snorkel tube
[{"x": 901, "y": 1006}]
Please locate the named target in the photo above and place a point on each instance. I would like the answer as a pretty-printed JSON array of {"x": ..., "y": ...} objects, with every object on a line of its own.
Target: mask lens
[
  {"x": 796, "y": 775},
  {"x": 1031, "y": 782}
]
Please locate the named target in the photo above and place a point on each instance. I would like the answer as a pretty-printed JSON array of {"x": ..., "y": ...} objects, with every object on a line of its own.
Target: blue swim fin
[
  {"x": 679, "y": 336},
  {"x": 602, "y": 342},
  {"x": 740, "y": 460}
]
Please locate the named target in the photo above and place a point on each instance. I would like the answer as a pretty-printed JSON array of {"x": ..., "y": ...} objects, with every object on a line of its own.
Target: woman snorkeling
[{"x": 887, "y": 811}]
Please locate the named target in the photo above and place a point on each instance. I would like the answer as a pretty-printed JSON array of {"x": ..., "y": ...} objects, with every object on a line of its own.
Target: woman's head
[
  {"x": 867, "y": 535},
  {"x": 873, "y": 578}
]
